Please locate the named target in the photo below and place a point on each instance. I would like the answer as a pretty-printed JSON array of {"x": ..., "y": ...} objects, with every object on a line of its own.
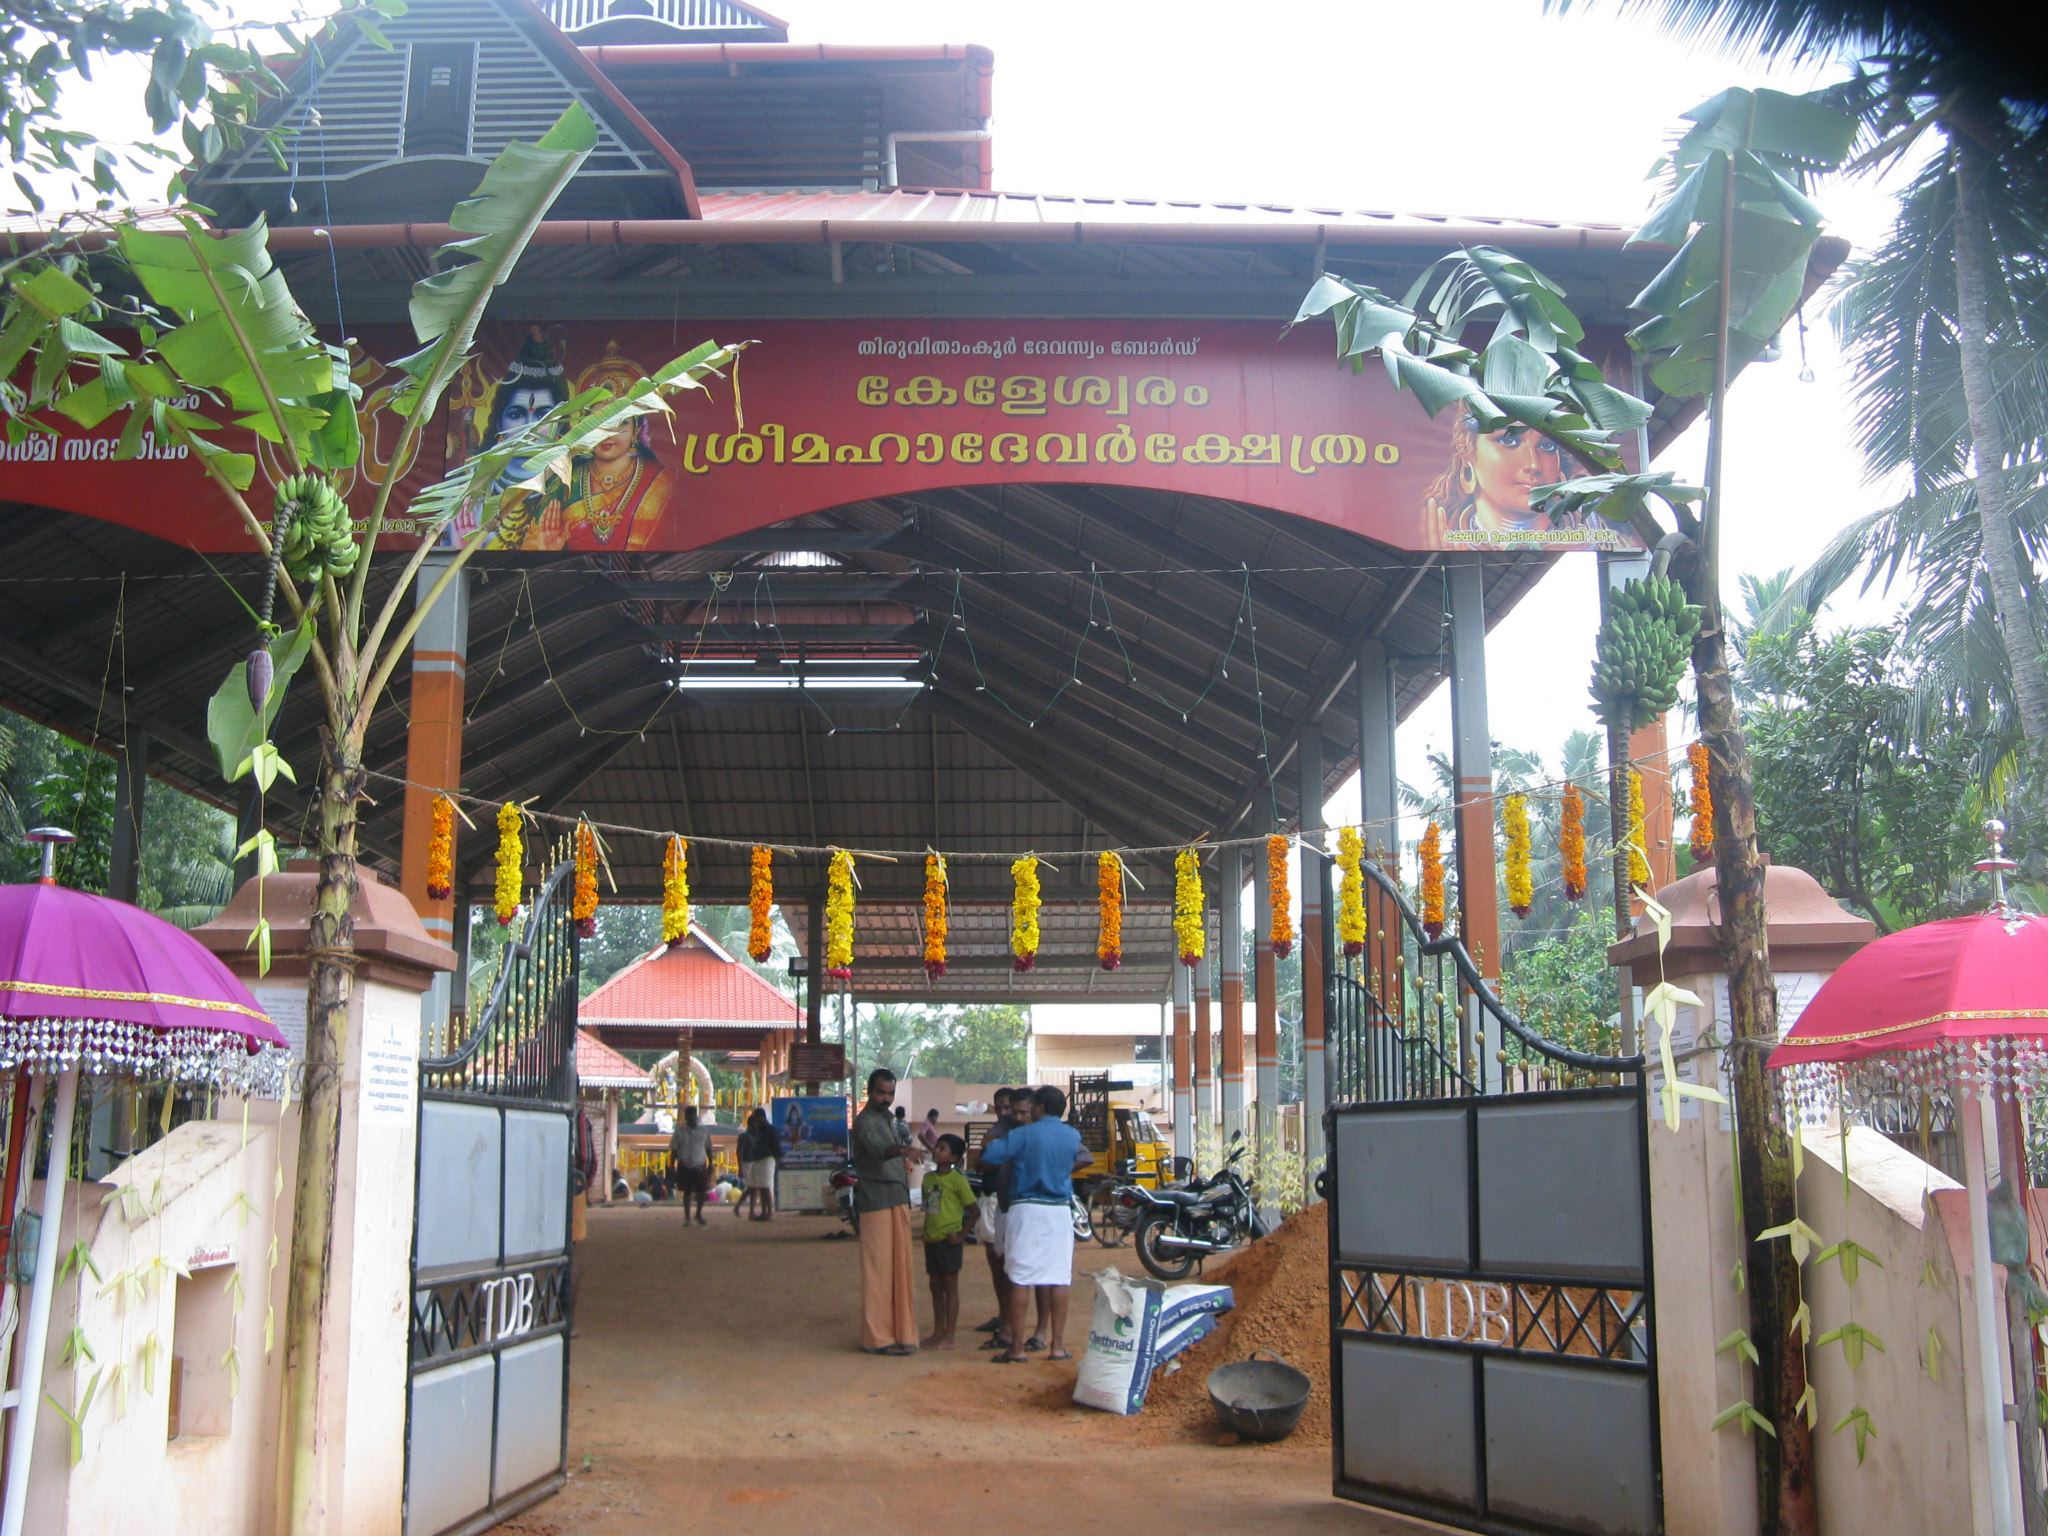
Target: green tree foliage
[
  {"x": 980, "y": 1043},
  {"x": 1560, "y": 985}
]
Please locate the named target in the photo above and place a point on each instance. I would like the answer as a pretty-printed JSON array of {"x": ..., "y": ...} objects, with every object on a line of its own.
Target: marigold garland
[
  {"x": 1520, "y": 883},
  {"x": 760, "y": 897},
  {"x": 1433, "y": 881},
  {"x": 511, "y": 863},
  {"x": 1190, "y": 927},
  {"x": 1351, "y": 891},
  {"x": 675, "y": 892},
  {"x": 441, "y": 851},
  {"x": 1702, "y": 804},
  {"x": 583, "y": 899},
  {"x": 1281, "y": 931},
  {"x": 1109, "y": 902},
  {"x": 1638, "y": 833},
  {"x": 839, "y": 917},
  {"x": 1024, "y": 912},
  {"x": 934, "y": 916},
  {"x": 1571, "y": 843}
]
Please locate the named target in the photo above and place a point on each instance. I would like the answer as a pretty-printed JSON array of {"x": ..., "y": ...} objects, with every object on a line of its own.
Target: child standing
[{"x": 948, "y": 1197}]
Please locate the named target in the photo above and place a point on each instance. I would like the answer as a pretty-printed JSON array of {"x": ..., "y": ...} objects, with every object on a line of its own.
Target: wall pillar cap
[
  {"x": 1809, "y": 929},
  {"x": 391, "y": 943}
]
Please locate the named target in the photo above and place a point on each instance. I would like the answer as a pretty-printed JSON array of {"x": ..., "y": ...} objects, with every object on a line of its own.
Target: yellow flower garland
[
  {"x": 441, "y": 851},
  {"x": 511, "y": 863},
  {"x": 583, "y": 898},
  {"x": 1520, "y": 883},
  {"x": 1702, "y": 804},
  {"x": 1351, "y": 891},
  {"x": 1638, "y": 833},
  {"x": 675, "y": 892},
  {"x": 1280, "y": 927},
  {"x": 1190, "y": 926},
  {"x": 1571, "y": 842},
  {"x": 1433, "y": 881},
  {"x": 934, "y": 916},
  {"x": 760, "y": 897},
  {"x": 1024, "y": 912},
  {"x": 1109, "y": 904},
  {"x": 839, "y": 916}
]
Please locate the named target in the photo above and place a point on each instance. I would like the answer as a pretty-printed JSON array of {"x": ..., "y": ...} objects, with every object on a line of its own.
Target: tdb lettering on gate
[{"x": 507, "y": 1307}]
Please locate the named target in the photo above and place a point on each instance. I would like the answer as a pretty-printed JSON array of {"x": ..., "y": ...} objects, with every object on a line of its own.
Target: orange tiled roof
[
  {"x": 697, "y": 983},
  {"x": 599, "y": 1066}
]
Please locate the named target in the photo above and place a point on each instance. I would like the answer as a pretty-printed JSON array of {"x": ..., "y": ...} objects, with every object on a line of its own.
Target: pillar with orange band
[{"x": 433, "y": 742}]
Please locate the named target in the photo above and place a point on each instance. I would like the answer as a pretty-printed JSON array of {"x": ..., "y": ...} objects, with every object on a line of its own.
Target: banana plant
[{"x": 201, "y": 342}]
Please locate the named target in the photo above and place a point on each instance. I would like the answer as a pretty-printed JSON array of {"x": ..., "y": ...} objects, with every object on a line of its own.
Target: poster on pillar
[{"x": 822, "y": 413}]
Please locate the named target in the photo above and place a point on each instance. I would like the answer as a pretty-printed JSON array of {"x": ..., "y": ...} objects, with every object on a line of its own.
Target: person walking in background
[
  {"x": 1038, "y": 1236},
  {"x": 759, "y": 1152},
  {"x": 888, "y": 1302},
  {"x": 689, "y": 1156},
  {"x": 903, "y": 1135},
  {"x": 948, "y": 1200},
  {"x": 928, "y": 1131},
  {"x": 993, "y": 1205}
]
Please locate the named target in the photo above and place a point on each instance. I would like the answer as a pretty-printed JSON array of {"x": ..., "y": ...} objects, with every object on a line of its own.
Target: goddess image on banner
[{"x": 1482, "y": 501}]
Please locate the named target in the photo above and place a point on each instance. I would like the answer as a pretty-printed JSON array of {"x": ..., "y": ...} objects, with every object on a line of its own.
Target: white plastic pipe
[
  {"x": 21, "y": 1434},
  {"x": 1990, "y": 1339},
  {"x": 979, "y": 135}
]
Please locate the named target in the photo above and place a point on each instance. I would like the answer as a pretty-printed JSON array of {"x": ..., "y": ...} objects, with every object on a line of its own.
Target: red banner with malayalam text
[{"x": 821, "y": 413}]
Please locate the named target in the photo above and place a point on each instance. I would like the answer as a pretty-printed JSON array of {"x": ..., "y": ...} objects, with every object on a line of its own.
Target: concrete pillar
[
  {"x": 1379, "y": 808},
  {"x": 1183, "y": 1063},
  {"x": 124, "y": 849},
  {"x": 1314, "y": 1085},
  {"x": 1205, "y": 1039},
  {"x": 1472, "y": 768},
  {"x": 1265, "y": 1009},
  {"x": 433, "y": 741},
  {"x": 1230, "y": 966}
]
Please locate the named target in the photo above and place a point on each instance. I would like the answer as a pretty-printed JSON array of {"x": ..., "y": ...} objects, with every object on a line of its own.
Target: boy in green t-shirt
[{"x": 948, "y": 1197}]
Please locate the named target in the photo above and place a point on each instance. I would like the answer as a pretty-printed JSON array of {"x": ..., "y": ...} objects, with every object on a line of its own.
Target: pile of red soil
[{"x": 1282, "y": 1288}]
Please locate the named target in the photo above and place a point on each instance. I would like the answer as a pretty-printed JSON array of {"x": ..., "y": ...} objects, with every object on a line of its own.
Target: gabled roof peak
[{"x": 666, "y": 21}]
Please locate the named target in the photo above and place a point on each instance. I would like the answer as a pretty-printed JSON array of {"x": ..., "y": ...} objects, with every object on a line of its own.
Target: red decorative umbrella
[
  {"x": 1957, "y": 1007},
  {"x": 88, "y": 984}
]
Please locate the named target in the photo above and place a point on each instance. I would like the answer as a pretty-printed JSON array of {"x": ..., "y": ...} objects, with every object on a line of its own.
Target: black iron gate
[
  {"x": 487, "y": 1405},
  {"x": 1493, "y": 1362}
]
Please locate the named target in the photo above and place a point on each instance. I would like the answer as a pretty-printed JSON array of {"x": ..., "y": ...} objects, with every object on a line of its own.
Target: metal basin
[{"x": 1259, "y": 1399}]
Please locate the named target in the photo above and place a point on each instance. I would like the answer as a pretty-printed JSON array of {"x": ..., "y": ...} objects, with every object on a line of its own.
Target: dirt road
[{"x": 716, "y": 1383}]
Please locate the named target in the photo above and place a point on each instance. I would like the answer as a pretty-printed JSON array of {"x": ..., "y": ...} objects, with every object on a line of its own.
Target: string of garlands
[
  {"x": 511, "y": 870},
  {"x": 441, "y": 851},
  {"x": 839, "y": 916},
  {"x": 1351, "y": 891},
  {"x": 934, "y": 916},
  {"x": 1190, "y": 927},
  {"x": 760, "y": 899},
  {"x": 1024, "y": 900},
  {"x": 1520, "y": 880},
  {"x": 1702, "y": 804},
  {"x": 675, "y": 891},
  {"x": 1109, "y": 910},
  {"x": 583, "y": 898},
  {"x": 1281, "y": 929},
  {"x": 1571, "y": 843},
  {"x": 1433, "y": 881},
  {"x": 1638, "y": 833}
]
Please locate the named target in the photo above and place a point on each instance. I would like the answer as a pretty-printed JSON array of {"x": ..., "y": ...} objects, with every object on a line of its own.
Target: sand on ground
[{"x": 715, "y": 1377}]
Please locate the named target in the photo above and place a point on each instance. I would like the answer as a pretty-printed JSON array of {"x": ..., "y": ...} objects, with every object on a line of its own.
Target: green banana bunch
[
  {"x": 1642, "y": 651},
  {"x": 317, "y": 536}
]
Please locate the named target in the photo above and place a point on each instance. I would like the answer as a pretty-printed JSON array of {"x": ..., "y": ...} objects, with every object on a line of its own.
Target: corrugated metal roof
[
  {"x": 952, "y": 205},
  {"x": 695, "y": 984}
]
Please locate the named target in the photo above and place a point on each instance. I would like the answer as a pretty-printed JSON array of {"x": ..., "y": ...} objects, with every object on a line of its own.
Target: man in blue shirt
[{"x": 1042, "y": 1154}]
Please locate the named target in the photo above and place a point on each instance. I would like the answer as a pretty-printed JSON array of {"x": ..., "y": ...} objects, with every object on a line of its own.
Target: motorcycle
[
  {"x": 1176, "y": 1228},
  {"x": 1077, "y": 1206},
  {"x": 843, "y": 1182}
]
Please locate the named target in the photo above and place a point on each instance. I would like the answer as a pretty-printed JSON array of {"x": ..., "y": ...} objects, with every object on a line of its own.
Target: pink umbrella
[{"x": 88, "y": 984}]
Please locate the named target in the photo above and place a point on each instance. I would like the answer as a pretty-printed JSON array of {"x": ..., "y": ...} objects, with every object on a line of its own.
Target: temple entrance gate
[
  {"x": 1492, "y": 1353},
  {"x": 488, "y": 1366}
]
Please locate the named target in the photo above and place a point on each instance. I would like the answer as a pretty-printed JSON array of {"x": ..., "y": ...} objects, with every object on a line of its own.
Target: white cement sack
[
  {"x": 1122, "y": 1337},
  {"x": 1184, "y": 1301},
  {"x": 1177, "y": 1338}
]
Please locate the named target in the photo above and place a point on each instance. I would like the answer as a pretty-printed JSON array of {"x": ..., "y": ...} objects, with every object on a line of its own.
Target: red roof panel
[
  {"x": 697, "y": 983},
  {"x": 599, "y": 1066}
]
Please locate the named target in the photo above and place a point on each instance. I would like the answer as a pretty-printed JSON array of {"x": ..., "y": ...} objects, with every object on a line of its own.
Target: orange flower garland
[
  {"x": 1702, "y": 804},
  {"x": 839, "y": 916},
  {"x": 1638, "y": 833},
  {"x": 934, "y": 917},
  {"x": 1520, "y": 881},
  {"x": 1351, "y": 891},
  {"x": 1024, "y": 913},
  {"x": 583, "y": 900},
  {"x": 760, "y": 897},
  {"x": 1571, "y": 843},
  {"x": 1433, "y": 882},
  {"x": 441, "y": 851},
  {"x": 675, "y": 892},
  {"x": 1109, "y": 906},
  {"x": 1277, "y": 898},
  {"x": 511, "y": 864}
]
